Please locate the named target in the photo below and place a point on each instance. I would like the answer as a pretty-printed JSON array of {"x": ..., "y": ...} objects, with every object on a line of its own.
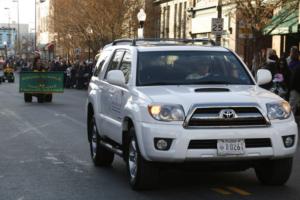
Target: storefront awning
[
  {"x": 46, "y": 47},
  {"x": 285, "y": 22}
]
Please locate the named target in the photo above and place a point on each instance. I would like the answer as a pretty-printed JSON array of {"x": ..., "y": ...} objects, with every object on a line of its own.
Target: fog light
[
  {"x": 162, "y": 144},
  {"x": 288, "y": 141}
]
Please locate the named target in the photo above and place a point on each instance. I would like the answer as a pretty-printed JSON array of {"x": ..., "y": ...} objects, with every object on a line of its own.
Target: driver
[{"x": 199, "y": 71}]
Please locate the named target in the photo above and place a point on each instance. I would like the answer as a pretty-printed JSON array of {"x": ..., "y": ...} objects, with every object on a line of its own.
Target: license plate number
[{"x": 231, "y": 147}]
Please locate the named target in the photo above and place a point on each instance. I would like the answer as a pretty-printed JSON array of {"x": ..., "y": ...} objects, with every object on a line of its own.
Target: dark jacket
[
  {"x": 272, "y": 66},
  {"x": 295, "y": 78}
]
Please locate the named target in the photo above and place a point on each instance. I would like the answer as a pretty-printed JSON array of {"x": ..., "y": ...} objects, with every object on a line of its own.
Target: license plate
[{"x": 231, "y": 147}]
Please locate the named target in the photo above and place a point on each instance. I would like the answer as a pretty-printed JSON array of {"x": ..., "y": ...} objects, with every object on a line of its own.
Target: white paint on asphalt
[
  {"x": 51, "y": 158},
  {"x": 58, "y": 163},
  {"x": 22, "y": 124},
  {"x": 25, "y": 161},
  {"x": 33, "y": 129},
  {"x": 78, "y": 161},
  {"x": 65, "y": 116},
  {"x": 78, "y": 170}
]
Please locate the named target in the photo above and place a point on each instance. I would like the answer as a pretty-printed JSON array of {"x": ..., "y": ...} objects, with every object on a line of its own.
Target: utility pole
[
  {"x": 19, "y": 36},
  {"x": 8, "y": 14},
  {"x": 35, "y": 26},
  {"x": 219, "y": 9},
  {"x": 19, "y": 44}
]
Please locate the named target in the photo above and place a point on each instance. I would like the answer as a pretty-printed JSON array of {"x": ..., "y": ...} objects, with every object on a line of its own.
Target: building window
[
  {"x": 175, "y": 21},
  {"x": 180, "y": 20},
  {"x": 8, "y": 39},
  {"x": 184, "y": 19},
  {"x": 168, "y": 22},
  {"x": 1, "y": 41},
  {"x": 164, "y": 22}
]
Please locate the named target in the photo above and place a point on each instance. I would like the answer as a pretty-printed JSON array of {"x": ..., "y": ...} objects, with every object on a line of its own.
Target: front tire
[
  {"x": 142, "y": 174},
  {"x": 274, "y": 172},
  {"x": 99, "y": 155}
]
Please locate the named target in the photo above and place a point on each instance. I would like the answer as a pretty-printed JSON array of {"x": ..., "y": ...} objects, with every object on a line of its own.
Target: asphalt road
[{"x": 44, "y": 155}]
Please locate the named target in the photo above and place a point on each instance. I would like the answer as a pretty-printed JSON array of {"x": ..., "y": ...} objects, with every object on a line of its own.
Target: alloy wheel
[
  {"x": 132, "y": 159},
  {"x": 94, "y": 140}
]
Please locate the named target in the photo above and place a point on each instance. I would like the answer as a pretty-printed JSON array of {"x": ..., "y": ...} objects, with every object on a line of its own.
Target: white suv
[{"x": 161, "y": 102}]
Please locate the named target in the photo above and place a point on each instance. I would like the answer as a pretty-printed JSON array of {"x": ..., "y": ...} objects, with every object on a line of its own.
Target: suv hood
[{"x": 212, "y": 94}]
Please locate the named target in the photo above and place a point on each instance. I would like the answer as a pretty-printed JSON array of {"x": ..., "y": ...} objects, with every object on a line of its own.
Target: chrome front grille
[{"x": 225, "y": 116}]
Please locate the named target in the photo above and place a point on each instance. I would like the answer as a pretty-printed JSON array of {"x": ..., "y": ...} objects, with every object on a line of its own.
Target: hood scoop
[{"x": 212, "y": 90}]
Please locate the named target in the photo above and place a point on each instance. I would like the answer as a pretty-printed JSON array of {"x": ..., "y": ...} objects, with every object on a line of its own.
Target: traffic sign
[
  {"x": 244, "y": 30},
  {"x": 217, "y": 25}
]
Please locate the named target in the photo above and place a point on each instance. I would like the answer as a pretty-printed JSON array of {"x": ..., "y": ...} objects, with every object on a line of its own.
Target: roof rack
[{"x": 133, "y": 42}]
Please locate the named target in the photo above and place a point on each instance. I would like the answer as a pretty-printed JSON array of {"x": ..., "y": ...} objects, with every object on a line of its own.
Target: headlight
[
  {"x": 166, "y": 112},
  {"x": 280, "y": 110}
]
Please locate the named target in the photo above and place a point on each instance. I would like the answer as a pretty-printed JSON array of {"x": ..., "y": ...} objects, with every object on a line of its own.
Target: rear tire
[
  {"x": 274, "y": 172},
  {"x": 48, "y": 98},
  {"x": 27, "y": 98},
  {"x": 41, "y": 98},
  {"x": 142, "y": 174},
  {"x": 100, "y": 155}
]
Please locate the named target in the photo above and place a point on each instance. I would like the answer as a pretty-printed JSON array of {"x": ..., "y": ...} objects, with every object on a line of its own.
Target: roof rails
[{"x": 168, "y": 41}]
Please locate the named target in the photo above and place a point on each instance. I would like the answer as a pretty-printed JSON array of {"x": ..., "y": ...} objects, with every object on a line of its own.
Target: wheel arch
[{"x": 126, "y": 126}]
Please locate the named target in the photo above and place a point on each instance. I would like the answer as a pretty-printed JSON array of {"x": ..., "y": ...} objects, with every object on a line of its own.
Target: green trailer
[{"x": 41, "y": 85}]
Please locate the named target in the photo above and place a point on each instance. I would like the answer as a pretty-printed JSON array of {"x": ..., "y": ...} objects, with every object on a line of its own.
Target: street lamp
[
  {"x": 8, "y": 14},
  {"x": 69, "y": 36},
  {"x": 142, "y": 18},
  {"x": 17, "y": 1},
  {"x": 89, "y": 30}
]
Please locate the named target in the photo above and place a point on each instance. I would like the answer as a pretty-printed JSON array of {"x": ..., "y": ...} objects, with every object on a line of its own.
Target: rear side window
[
  {"x": 101, "y": 62},
  {"x": 115, "y": 62}
]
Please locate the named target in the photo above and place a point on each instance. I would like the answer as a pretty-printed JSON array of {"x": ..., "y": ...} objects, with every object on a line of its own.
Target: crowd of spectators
[{"x": 286, "y": 76}]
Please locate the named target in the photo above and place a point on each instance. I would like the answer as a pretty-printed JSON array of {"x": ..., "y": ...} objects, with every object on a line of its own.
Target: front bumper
[{"x": 179, "y": 151}]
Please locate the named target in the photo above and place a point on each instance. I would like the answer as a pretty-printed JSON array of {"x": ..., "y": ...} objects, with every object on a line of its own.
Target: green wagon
[{"x": 41, "y": 85}]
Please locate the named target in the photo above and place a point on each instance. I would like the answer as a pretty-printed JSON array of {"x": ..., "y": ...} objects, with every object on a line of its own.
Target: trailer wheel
[
  {"x": 41, "y": 98},
  {"x": 27, "y": 98},
  {"x": 48, "y": 98}
]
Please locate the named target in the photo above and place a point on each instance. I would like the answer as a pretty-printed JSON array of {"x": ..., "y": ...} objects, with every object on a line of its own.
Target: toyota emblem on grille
[{"x": 227, "y": 114}]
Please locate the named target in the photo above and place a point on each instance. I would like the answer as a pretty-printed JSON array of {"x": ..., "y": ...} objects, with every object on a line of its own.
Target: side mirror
[
  {"x": 116, "y": 77},
  {"x": 263, "y": 76}
]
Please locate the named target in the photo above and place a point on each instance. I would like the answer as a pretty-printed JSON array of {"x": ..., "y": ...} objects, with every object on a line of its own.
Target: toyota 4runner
[{"x": 161, "y": 102}]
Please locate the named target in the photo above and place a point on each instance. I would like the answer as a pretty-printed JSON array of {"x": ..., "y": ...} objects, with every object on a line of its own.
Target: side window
[
  {"x": 126, "y": 66},
  {"x": 114, "y": 63}
]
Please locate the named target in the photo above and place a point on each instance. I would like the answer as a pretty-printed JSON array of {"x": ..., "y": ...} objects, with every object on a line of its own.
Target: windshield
[{"x": 190, "y": 68}]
